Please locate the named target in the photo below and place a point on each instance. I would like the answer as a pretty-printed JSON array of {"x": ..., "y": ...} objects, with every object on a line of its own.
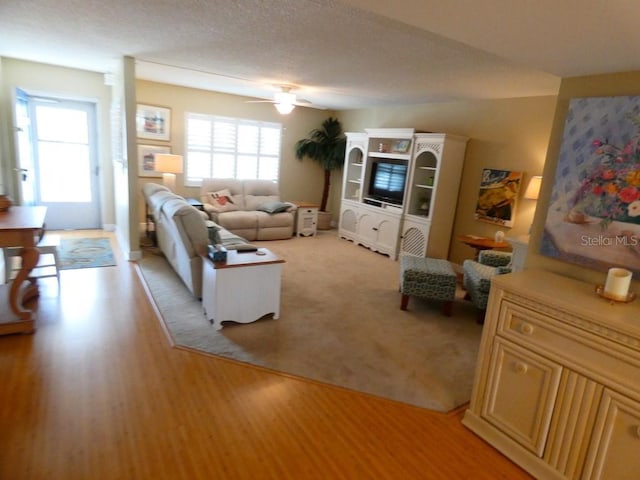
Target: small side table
[
  {"x": 150, "y": 227},
  {"x": 243, "y": 289},
  {"x": 194, "y": 202},
  {"x": 481, "y": 243},
  {"x": 306, "y": 219}
]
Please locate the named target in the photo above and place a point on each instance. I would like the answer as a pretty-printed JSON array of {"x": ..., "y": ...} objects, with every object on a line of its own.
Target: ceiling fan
[{"x": 284, "y": 100}]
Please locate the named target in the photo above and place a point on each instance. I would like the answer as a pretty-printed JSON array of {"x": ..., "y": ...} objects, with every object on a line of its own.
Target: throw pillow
[
  {"x": 222, "y": 201},
  {"x": 274, "y": 207}
]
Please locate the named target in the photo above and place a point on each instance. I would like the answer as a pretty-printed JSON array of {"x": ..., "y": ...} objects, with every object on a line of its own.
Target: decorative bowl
[{"x": 5, "y": 203}]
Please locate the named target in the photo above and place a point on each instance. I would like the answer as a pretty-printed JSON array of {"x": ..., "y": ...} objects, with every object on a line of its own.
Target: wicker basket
[{"x": 324, "y": 220}]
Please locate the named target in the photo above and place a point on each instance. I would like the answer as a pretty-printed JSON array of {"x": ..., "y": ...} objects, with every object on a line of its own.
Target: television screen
[{"x": 387, "y": 182}]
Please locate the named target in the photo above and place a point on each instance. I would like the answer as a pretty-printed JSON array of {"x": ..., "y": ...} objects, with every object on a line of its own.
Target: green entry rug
[{"x": 85, "y": 253}]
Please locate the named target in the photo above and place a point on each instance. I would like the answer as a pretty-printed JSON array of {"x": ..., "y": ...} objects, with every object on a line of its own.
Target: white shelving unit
[
  {"x": 432, "y": 194},
  {"x": 354, "y": 166},
  {"x": 402, "y": 225},
  {"x": 365, "y": 219}
]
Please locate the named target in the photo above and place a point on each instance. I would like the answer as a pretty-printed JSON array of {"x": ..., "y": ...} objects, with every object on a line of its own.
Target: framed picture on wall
[
  {"x": 593, "y": 219},
  {"x": 146, "y": 159},
  {"x": 497, "y": 196},
  {"x": 153, "y": 123}
]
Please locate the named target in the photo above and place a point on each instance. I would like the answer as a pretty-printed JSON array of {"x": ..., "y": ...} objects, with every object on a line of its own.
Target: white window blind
[{"x": 223, "y": 147}]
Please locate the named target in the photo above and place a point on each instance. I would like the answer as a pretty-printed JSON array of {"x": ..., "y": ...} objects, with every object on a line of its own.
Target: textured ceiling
[{"x": 337, "y": 54}]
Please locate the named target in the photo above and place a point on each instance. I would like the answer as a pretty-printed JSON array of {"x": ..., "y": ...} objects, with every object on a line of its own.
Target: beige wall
[
  {"x": 627, "y": 83},
  {"x": 510, "y": 134},
  {"x": 521, "y": 134},
  {"x": 38, "y": 78},
  {"x": 299, "y": 180}
]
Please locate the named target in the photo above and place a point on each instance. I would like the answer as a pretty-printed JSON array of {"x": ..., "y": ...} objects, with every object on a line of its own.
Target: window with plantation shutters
[{"x": 223, "y": 147}]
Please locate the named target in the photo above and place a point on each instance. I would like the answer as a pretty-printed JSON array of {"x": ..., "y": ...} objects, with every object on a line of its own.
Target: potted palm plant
[{"x": 325, "y": 145}]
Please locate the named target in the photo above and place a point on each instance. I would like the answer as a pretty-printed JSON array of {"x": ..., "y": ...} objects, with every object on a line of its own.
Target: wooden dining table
[{"x": 22, "y": 227}]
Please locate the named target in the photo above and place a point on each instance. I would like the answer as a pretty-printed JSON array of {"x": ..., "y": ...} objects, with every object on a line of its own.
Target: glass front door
[{"x": 61, "y": 169}]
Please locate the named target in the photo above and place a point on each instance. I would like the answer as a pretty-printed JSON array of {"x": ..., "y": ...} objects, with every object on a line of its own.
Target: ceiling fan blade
[{"x": 285, "y": 95}]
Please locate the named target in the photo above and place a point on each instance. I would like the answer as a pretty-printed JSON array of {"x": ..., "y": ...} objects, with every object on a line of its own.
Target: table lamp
[
  {"x": 533, "y": 189},
  {"x": 169, "y": 165}
]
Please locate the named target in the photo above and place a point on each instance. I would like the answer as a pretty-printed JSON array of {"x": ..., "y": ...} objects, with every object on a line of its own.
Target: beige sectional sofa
[
  {"x": 183, "y": 232},
  {"x": 251, "y": 209}
]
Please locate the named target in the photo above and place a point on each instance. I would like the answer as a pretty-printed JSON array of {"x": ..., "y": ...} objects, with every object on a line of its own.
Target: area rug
[
  {"x": 340, "y": 323},
  {"x": 85, "y": 253}
]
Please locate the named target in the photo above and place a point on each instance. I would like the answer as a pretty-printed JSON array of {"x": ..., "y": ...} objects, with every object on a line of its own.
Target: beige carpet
[{"x": 340, "y": 323}]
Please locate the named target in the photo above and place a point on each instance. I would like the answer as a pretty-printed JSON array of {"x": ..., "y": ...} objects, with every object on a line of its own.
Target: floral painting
[
  {"x": 497, "y": 196},
  {"x": 594, "y": 213}
]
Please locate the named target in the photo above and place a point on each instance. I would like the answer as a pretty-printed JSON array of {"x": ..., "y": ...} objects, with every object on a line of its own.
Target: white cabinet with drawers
[
  {"x": 557, "y": 386},
  {"x": 306, "y": 219}
]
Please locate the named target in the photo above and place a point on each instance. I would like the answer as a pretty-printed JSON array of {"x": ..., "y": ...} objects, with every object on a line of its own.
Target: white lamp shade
[
  {"x": 533, "y": 189},
  {"x": 167, "y": 163}
]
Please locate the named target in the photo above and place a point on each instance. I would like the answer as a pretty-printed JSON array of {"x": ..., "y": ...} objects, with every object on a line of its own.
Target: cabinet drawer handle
[
  {"x": 638, "y": 431},
  {"x": 526, "y": 329},
  {"x": 521, "y": 368}
]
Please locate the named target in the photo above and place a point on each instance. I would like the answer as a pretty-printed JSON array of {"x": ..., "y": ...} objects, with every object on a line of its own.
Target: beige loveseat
[
  {"x": 183, "y": 233},
  {"x": 251, "y": 209}
]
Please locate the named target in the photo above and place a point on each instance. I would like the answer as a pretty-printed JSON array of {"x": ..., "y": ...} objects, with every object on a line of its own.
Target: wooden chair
[{"x": 48, "y": 264}]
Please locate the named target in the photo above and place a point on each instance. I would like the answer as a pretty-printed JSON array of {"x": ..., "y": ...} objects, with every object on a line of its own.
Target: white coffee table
[{"x": 243, "y": 289}]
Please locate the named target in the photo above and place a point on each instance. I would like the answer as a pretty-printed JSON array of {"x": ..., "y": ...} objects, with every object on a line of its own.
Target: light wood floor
[{"x": 98, "y": 392}]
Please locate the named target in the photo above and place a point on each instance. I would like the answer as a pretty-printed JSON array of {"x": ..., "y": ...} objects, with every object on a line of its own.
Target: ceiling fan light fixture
[
  {"x": 284, "y": 97},
  {"x": 284, "y": 108},
  {"x": 284, "y": 102}
]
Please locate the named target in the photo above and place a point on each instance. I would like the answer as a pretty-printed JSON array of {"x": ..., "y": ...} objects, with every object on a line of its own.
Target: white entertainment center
[{"x": 400, "y": 190}]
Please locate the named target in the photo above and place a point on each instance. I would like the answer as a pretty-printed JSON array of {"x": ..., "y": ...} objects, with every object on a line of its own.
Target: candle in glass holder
[{"x": 617, "y": 284}]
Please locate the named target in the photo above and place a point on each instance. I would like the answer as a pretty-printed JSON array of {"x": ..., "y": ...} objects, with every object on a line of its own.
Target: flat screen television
[{"x": 387, "y": 182}]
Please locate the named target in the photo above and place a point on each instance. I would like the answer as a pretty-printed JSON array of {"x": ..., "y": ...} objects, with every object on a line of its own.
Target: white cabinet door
[
  {"x": 379, "y": 232},
  {"x": 387, "y": 235},
  {"x": 367, "y": 229},
  {"x": 415, "y": 237},
  {"x": 615, "y": 443},
  {"x": 521, "y": 393},
  {"x": 348, "y": 222}
]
